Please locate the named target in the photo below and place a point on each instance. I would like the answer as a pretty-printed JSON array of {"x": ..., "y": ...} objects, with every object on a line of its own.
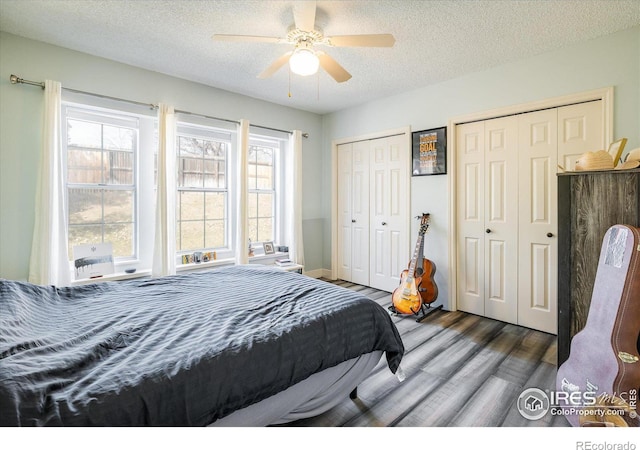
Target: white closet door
[
  {"x": 470, "y": 213},
  {"x": 360, "y": 213},
  {"x": 353, "y": 207},
  {"x": 389, "y": 211},
  {"x": 501, "y": 219},
  {"x": 580, "y": 130},
  {"x": 538, "y": 225},
  {"x": 345, "y": 215}
]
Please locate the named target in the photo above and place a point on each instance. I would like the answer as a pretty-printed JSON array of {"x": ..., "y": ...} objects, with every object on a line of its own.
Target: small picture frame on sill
[
  {"x": 429, "y": 151},
  {"x": 268, "y": 248}
]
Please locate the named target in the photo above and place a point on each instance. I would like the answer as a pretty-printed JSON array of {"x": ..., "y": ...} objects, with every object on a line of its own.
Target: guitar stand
[{"x": 421, "y": 314}]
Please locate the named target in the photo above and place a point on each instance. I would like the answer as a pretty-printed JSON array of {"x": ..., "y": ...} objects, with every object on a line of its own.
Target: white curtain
[
  {"x": 294, "y": 198},
  {"x": 49, "y": 262},
  {"x": 164, "y": 248},
  {"x": 242, "y": 239}
]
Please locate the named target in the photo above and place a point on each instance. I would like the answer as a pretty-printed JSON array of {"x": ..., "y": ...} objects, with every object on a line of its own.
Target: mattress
[{"x": 183, "y": 350}]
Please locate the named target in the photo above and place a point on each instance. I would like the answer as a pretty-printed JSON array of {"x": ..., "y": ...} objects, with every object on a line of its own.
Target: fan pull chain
[{"x": 289, "y": 82}]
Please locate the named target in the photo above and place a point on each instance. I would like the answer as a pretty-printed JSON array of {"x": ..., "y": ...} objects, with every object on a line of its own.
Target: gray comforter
[{"x": 175, "y": 351}]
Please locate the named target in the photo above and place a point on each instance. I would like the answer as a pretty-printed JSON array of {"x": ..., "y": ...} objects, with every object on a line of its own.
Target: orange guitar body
[
  {"x": 406, "y": 297},
  {"x": 428, "y": 289}
]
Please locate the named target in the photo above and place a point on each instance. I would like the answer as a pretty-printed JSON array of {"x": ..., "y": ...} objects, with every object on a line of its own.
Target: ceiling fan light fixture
[{"x": 304, "y": 62}]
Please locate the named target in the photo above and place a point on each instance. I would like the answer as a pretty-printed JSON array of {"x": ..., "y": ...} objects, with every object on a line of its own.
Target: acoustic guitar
[
  {"x": 407, "y": 298},
  {"x": 601, "y": 378},
  {"x": 428, "y": 289}
]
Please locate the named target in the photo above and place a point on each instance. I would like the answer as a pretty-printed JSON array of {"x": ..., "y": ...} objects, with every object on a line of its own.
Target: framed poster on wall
[{"x": 429, "y": 149}]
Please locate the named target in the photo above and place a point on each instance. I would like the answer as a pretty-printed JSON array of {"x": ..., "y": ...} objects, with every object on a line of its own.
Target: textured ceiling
[{"x": 435, "y": 40}]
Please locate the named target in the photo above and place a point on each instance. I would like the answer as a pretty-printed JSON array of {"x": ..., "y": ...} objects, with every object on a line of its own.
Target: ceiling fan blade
[
  {"x": 276, "y": 65},
  {"x": 243, "y": 38},
  {"x": 362, "y": 40},
  {"x": 333, "y": 68},
  {"x": 304, "y": 15}
]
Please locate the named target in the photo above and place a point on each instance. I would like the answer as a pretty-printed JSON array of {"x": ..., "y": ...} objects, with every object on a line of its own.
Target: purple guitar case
[{"x": 598, "y": 384}]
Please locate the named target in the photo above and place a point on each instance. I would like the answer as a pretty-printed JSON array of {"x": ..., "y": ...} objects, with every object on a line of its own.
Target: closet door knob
[
  {"x": 384, "y": 223},
  {"x": 353, "y": 220},
  {"x": 549, "y": 234},
  {"x": 487, "y": 231}
]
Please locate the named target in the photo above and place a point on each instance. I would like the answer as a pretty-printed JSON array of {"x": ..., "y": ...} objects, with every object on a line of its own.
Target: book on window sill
[{"x": 284, "y": 262}]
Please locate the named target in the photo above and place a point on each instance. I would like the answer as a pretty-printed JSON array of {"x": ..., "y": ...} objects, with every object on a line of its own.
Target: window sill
[
  {"x": 193, "y": 267},
  {"x": 117, "y": 276}
]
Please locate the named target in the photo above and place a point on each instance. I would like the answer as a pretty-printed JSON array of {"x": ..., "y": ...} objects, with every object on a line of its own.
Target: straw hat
[
  {"x": 633, "y": 155},
  {"x": 600, "y": 160},
  {"x": 632, "y": 160}
]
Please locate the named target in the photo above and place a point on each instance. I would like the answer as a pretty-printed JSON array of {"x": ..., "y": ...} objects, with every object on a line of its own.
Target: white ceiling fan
[{"x": 304, "y": 59}]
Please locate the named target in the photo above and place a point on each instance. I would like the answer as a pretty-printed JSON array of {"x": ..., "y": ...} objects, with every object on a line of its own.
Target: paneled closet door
[
  {"x": 353, "y": 207},
  {"x": 470, "y": 212},
  {"x": 389, "y": 211},
  {"x": 345, "y": 243},
  {"x": 538, "y": 224},
  {"x": 580, "y": 130},
  {"x": 501, "y": 219},
  {"x": 360, "y": 213}
]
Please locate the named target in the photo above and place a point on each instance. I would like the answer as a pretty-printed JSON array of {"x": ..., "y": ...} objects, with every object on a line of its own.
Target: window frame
[
  {"x": 199, "y": 131},
  {"x": 85, "y": 107}
]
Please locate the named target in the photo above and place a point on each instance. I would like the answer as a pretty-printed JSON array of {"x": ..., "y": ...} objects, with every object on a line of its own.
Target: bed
[{"x": 237, "y": 346}]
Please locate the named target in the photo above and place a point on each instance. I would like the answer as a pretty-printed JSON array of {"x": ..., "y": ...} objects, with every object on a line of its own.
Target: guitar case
[{"x": 599, "y": 382}]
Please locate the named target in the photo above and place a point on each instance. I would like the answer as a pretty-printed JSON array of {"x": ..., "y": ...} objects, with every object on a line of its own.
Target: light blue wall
[
  {"x": 609, "y": 61},
  {"x": 21, "y": 121},
  {"x": 613, "y": 60}
]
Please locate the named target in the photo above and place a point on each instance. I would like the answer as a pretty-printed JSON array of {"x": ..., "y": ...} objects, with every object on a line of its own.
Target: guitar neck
[{"x": 416, "y": 252}]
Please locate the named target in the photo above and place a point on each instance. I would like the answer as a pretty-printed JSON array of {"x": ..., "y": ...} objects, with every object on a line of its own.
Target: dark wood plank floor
[{"x": 461, "y": 370}]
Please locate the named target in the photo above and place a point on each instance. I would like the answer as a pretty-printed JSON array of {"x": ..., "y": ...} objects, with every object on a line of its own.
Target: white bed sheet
[{"x": 308, "y": 398}]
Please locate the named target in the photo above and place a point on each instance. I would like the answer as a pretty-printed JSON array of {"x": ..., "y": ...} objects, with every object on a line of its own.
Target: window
[
  {"x": 110, "y": 157},
  {"x": 262, "y": 193},
  {"x": 202, "y": 211},
  {"x": 101, "y": 153}
]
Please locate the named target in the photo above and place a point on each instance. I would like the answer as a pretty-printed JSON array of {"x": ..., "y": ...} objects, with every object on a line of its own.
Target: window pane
[
  {"x": 213, "y": 174},
  {"x": 215, "y": 206},
  {"x": 264, "y": 178},
  {"x": 191, "y": 206},
  {"x": 252, "y": 168},
  {"x": 117, "y": 138},
  {"x": 253, "y": 230},
  {"x": 121, "y": 237},
  {"x": 118, "y": 206},
  {"x": 85, "y": 206},
  {"x": 265, "y": 230},
  {"x": 189, "y": 147},
  {"x": 252, "y": 205},
  {"x": 215, "y": 233},
  {"x": 190, "y": 172},
  {"x": 265, "y": 205},
  {"x": 84, "y": 134},
  {"x": 84, "y": 166},
  {"x": 192, "y": 235},
  {"x": 84, "y": 234},
  {"x": 118, "y": 168},
  {"x": 213, "y": 149}
]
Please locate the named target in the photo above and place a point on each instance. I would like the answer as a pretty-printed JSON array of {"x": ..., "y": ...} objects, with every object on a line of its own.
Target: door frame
[
  {"x": 406, "y": 131},
  {"x": 606, "y": 95}
]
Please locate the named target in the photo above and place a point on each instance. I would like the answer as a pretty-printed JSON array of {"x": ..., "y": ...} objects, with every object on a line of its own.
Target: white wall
[
  {"x": 613, "y": 60},
  {"x": 20, "y": 135}
]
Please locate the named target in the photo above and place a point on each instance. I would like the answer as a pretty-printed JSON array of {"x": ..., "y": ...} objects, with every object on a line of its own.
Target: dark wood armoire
[{"x": 588, "y": 204}]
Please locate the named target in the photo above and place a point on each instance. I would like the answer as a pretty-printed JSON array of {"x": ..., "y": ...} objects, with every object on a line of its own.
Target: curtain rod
[{"x": 17, "y": 80}]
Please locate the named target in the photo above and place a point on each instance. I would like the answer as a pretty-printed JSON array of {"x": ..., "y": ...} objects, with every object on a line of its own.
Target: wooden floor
[{"x": 461, "y": 370}]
